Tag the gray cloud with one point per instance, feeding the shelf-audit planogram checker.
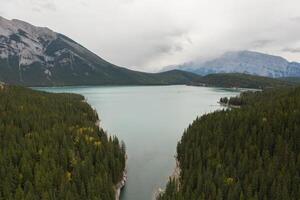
(172, 48)
(296, 19)
(49, 6)
(149, 34)
(291, 50)
(261, 43)
(41, 6)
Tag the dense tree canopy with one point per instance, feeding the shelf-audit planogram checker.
(244, 98)
(248, 153)
(51, 148)
(239, 80)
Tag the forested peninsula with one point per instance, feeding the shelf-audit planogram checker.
(251, 152)
(52, 148)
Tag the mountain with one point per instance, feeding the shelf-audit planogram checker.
(247, 62)
(38, 56)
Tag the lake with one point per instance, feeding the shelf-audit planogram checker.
(150, 120)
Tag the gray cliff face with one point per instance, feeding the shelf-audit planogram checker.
(30, 54)
(248, 62)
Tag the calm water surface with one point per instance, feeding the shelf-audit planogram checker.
(151, 120)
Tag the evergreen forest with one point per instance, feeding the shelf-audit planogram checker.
(51, 147)
(246, 153)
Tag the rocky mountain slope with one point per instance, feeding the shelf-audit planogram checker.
(37, 56)
(247, 62)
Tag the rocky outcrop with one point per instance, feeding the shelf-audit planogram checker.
(121, 185)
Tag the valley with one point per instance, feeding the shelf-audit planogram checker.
(150, 120)
(75, 126)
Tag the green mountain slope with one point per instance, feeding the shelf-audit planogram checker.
(242, 81)
(51, 148)
(291, 79)
(248, 153)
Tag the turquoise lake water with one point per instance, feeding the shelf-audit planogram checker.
(150, 120)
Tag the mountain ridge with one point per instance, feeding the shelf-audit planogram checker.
(38, 56)
(238, 80)
(248, 62)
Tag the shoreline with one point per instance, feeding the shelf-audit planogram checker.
(228, 105)
(175, 175)
(121, 184)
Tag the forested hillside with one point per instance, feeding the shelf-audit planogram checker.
(248, 153)
(51, 148)
(243, 81)
(291, 79)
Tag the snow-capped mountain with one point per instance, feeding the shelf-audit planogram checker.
(31, 55)
(248, 62)
(22, 39)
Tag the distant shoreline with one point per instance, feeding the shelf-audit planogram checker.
(228, 105)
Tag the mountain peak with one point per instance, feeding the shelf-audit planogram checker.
(255, 54)
(32, 55)
(249, 62)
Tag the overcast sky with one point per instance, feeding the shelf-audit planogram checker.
(149, 34)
